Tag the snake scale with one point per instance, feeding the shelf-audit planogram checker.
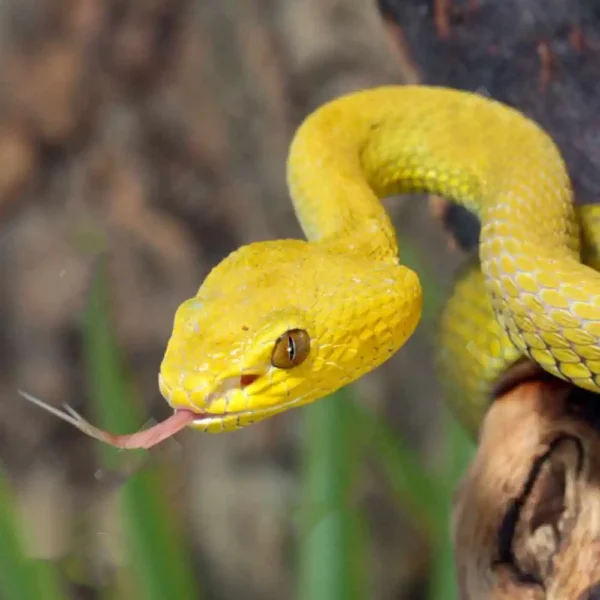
(279, 324)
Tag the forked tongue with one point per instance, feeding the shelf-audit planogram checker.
(144, 439)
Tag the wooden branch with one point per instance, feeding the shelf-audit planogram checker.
(526, 522)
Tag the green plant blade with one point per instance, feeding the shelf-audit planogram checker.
(156, 551)
(417, 491)
(331, 550)
(457, 452)
(21, 578)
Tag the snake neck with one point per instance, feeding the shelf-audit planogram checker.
(373, 144)
(336, 200)
(376, 143)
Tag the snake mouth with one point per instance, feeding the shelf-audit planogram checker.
(206, 419)
(242, 382)
(225, 387)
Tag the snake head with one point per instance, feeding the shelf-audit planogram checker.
(279, 324)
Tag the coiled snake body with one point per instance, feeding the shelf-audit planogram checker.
(281, 323)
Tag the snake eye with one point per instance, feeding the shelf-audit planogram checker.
(291, 349)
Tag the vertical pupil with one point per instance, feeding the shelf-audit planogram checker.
(291, 348)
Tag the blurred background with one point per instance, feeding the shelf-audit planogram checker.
(140, 143)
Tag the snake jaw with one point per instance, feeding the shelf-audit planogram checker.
(201, 403)
(228, 407)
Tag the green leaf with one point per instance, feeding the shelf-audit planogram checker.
(456, 452)
(332, 544)
(155, 548)
(21, 578)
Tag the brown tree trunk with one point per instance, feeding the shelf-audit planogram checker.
(527, 514)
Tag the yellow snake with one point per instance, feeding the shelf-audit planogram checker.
(279, 324)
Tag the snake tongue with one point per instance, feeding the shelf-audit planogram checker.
(147, 438)
(156, 434)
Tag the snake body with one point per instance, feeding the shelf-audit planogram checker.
(345, 288)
